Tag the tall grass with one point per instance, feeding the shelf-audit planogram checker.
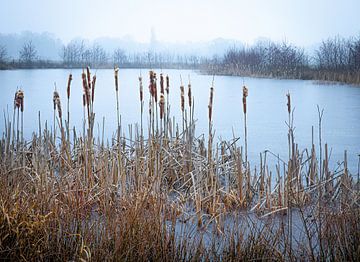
(166, 196)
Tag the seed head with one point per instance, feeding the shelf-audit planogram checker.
(167, 84)
(19, 100)
(68, 86)
(85, 88)
(288, 103)
(141, 89)
(161, 84)
(116, 73)
(189, 94)
(211, 103)
(93, 88)
(245, 94)
(57, 103)
(182, 98)
(162, 105)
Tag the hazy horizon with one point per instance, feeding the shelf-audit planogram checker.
(302, 23)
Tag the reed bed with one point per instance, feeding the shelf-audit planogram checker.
(161, 194)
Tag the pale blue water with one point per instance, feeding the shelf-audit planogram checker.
(267, 110)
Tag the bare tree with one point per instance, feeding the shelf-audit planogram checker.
(98, 55)
(3, 54)
(28, 53)
(119, 57)
(73, 53)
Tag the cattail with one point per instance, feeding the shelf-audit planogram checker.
(161, 83)
(245, 94)
(167, 84)
(211, 103)
(85, 88)
(162, 104)
(19, 100)
(182, 98)
(155, 88)
(57, 103)
(88, 77)
(189, 94)
(59, 107)
(141, 89)
(16, 104)
(150, 105)
(84, 100)
(55, 98)
(93, 88)
(116, 71)
(288, 102)
(68, 86)
(151, 86)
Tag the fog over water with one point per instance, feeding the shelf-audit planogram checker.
(302, 22)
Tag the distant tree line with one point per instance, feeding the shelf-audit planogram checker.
(336, 59)
(76, 54)
(264, 58)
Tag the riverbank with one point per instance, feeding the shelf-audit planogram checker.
(323, 77)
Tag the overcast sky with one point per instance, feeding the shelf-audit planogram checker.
(303, 22)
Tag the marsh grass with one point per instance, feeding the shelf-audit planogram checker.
(167, 196)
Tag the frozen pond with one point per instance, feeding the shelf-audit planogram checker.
(266, 102)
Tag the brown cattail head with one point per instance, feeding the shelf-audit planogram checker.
(211, 103)
(59, 107)
(93, 88)
(88, 77)
(116, 72)
(21, 97)
(155, 88)
(85, 88)
(161, 84)
(57, 103)
(19, 100)
(245, 94)
(55, 98)
(15, 101)
(167, 84)
(151, 86)
(68, 86)
(84, 100)
(162, 105)
(182, 98)
(288, 103)
(141, 89)
(189, 94)
(150, 105)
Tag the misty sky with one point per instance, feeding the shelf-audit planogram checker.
(302, 22)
